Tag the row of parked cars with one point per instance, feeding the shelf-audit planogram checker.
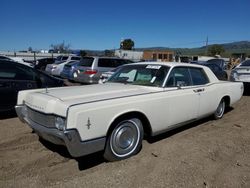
(16, 75)
(87, 70)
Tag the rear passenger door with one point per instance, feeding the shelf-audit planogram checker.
(206, 91)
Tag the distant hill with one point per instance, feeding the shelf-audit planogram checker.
(233, 47)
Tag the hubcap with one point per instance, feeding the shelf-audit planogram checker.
(220, 109)
(125, 138)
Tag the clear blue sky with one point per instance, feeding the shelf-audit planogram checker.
(99, 25)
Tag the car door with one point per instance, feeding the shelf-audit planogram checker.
(205, 91)
(181, 99)
(13, 78)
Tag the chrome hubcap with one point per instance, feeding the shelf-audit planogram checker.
(220, 109)
(125, 138)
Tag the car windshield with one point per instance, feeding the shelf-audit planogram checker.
(245, 63)
(146, 75)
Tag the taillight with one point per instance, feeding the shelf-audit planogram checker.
(90, 72)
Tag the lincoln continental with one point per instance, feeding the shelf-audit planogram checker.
(138, 100)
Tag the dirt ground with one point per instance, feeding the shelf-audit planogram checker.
(207, 153)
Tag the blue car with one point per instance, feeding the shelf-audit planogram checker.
(69, 70)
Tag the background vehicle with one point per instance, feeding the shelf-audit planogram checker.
(69, 70)
(57, 67)
(15, 77)
(242, 73)
(220, 62)
(42, 63)
(220, 73)
(90, 69)
(16, 59)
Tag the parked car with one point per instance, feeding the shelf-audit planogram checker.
(242, 73)
(69, 70)
(57, 67)
(139, 99)
(15, 77)
(220, 73)
(220, 62)
(16, 59)
(43, 62)
(90, 69)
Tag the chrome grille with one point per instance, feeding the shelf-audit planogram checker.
(41, 118)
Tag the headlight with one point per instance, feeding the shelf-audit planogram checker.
(60, 123)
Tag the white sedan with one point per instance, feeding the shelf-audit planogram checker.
(139, 99)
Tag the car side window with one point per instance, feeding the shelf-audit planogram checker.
(16, 72)
(199, 77)
(179, 77)
(7, 71)
(106, 62)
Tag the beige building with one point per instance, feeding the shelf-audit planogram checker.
(158, 55)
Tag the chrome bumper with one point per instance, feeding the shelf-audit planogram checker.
(70, 138)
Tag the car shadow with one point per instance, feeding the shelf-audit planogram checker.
(8, 115)
(84, 163)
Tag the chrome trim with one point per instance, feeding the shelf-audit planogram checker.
(70, 138)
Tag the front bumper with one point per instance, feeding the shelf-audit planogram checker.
(70, 138)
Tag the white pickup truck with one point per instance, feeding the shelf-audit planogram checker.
(139, 99)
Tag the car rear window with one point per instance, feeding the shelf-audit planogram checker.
(199, 77)
(75, 58)
(86, 62)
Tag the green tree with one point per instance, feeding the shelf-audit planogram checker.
(30, 49)
(83, 53)
(215, 49)
(60, 48)
(109, 53)
(127, 44)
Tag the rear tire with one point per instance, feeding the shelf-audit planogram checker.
(124, 140)
(220, 110)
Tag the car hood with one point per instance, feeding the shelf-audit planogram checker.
(57, 100)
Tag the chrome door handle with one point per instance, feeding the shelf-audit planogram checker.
(198, 90)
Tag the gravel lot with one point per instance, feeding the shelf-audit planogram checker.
(207, 153)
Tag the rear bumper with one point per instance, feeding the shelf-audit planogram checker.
(70, 138)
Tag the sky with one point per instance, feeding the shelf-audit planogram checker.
(100, 25)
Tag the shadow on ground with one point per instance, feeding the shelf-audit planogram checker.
(8, 115)
(84, 163)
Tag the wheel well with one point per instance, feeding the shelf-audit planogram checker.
(145, 122)
(227, 100)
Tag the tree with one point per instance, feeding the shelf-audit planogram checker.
(30, 49)
(215, 49)
(83, 53)
(109, 53)
(60, 48)
(127, 44)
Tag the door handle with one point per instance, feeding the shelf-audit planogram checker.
(198, 90)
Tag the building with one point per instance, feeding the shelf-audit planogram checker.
(158, 55)
(129, 54)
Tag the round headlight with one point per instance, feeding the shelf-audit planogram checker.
(60, 123)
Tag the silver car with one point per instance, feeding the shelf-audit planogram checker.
(242, 73)
(90, 69)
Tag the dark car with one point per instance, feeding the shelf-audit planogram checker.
(220, 62)
(15, 77)
(42, 63)
(217, 68)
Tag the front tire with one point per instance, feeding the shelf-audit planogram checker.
(125, 140)
(220, 110)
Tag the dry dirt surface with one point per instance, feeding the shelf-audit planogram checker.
(207, 153)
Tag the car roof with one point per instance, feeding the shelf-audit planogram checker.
(169, 64)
